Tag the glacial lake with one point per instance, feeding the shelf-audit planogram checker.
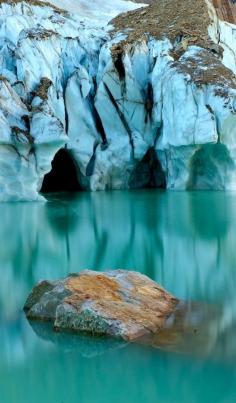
(184, 241)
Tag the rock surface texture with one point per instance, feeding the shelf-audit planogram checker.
(118, 303)
(147, 100)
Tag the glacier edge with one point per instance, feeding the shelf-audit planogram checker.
(137, 118)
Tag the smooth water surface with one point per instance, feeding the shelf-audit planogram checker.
(185, 241)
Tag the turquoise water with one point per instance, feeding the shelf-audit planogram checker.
(185, 241)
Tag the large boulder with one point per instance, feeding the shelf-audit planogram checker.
(119, 303)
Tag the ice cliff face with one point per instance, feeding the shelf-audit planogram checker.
(158, 112)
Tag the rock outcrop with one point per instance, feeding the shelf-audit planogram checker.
(124, 305)
(146, 101)
(117, 303)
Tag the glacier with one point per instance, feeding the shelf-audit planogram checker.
(129, 116)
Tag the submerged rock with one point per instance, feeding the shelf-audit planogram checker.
(118, 303)
(193, 328)
(147, 100)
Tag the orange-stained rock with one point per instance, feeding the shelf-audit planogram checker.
(119, 303)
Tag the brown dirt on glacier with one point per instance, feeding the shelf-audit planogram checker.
(35, 3)
(185, 23)
(167, 18)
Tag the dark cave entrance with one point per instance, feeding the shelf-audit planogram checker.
(148, 173)
(63, 175)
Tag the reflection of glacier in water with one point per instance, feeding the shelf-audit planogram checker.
(185, 241)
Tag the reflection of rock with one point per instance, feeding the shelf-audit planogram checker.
(118, 303)
(87, 346)
(190, 329)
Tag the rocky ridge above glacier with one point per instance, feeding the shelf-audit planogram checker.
(135, 103)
